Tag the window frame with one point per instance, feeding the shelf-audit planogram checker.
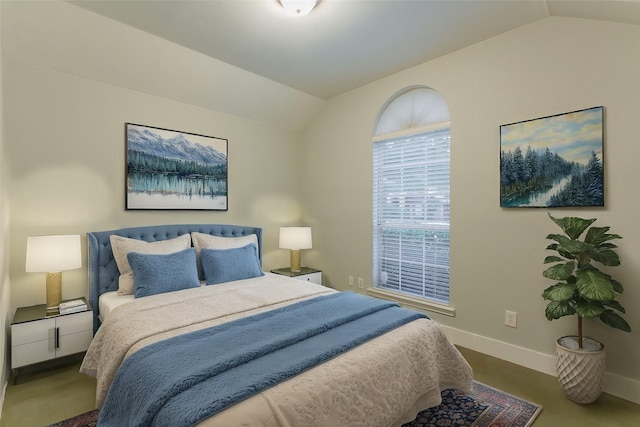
(406, 298)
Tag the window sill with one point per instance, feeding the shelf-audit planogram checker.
(412, 301)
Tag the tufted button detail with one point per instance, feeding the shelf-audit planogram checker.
(103, 271)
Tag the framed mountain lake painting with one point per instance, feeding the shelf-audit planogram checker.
(554, 161)
(168, 169)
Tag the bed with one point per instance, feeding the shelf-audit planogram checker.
(382, 365)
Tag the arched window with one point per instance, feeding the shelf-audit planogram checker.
(411, 196)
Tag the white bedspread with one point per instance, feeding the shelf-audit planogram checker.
(110, 300)
(383, 382)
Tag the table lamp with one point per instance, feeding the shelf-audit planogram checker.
(294, 239)
(53, 255)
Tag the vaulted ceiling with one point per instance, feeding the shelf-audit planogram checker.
(341, 44)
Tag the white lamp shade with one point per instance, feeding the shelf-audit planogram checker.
(295, 238)
(47, 254)
(298, 7)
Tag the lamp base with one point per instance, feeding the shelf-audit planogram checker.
(54, 290)
(295, 260)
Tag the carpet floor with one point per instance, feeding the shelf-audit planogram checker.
(483, 407)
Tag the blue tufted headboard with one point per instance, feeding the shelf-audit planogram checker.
(103, 271)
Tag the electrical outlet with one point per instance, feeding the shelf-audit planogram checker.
(350, 280)
(511, 319)
(360, 282)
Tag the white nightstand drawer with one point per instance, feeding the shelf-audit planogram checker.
(74, 343)
(76, 322)
(34, 352)
(306, 274)
(29, 332)
(311, 277)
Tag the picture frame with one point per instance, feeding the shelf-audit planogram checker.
(553, 161)
(174, 170)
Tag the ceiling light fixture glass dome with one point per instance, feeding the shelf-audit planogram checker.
(298, 7)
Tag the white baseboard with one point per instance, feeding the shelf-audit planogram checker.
(616, 385)
(4, 390)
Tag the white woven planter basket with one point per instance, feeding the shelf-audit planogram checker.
(580, 371)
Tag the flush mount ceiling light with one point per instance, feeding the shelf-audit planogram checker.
(298, 7)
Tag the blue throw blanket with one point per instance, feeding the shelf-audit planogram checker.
(186, 379)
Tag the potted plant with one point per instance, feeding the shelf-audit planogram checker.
(583, 290)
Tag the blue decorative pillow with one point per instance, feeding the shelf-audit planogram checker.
(156, 274)
(226, 265)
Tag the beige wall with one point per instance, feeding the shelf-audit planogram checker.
(549, 67)
(4, 235)
(65, 146)
(59, 36)
(74, 78)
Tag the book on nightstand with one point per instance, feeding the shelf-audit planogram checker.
(73, 306)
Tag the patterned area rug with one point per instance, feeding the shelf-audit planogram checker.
(88, 419)
(484, 407)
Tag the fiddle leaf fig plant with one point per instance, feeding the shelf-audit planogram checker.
(581, 288)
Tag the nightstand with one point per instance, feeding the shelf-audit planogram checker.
(309, 274)
(38, 335)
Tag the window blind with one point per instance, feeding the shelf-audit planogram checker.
(411, 193)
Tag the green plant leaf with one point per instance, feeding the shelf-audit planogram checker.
(617, 286)
(594, 285)
(560, 271)
(594, 234)
(615, 305)
(544, 293)
(605, 257)
(559, 292)
(599, 235)
(552, 258)
(574, 247)
(566, 247)
(607, 245)
(558, 309)
(573, 226)
(557, 237)
(589, 309)
(615, 321)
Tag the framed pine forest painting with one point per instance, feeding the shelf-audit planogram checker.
(554, 161)
(168, 169)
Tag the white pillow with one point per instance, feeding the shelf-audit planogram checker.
(207, 241)
(121, 246)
